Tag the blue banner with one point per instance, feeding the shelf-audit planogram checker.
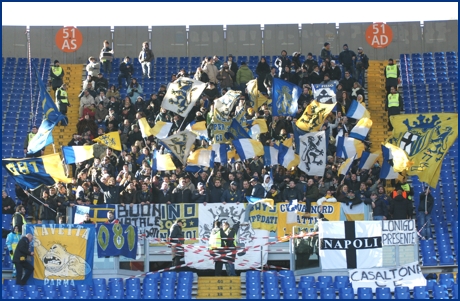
(116, 240)
(63, 254)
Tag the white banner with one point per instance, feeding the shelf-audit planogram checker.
(399, 232)
(146, 218)
(312, 153)
(350, 244)
(182, 95)
(247, 237)
(80, 214)
(325, 93)
(409, 275)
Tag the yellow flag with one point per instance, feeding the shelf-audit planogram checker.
(426, 138)
(314, 115)
(256, 98)
(111, 140)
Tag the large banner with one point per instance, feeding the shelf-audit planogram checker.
(250, 244)
(409, 275)
(116, 239)
(350, 245)
(325, 93)
(285, 222)
(63, 254)
(155, 220)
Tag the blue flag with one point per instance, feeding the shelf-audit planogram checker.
(52, 117)
(236, 131)
(116, 240)
(285, 96)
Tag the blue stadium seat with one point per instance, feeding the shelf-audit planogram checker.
(100, 294)
(253, 292)
(133, 284)
(383, 293)
(455, 291)
(447, 279)
(309, 293)
(420, 292)
(16, 294)
(440, 292)
(133, 294)
(66, 292)
(271, 292)
(166, 293)
(341, 281)
(346, 293)
(327, 293)
(365, 293)
(402, 292)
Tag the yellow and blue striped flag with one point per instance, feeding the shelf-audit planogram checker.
(248, 148)
(76, 154)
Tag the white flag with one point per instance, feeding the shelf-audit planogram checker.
(350, 244)
(312, 153)
(182, 95)
(225, 104)
(180, 144)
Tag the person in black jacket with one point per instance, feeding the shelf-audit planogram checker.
(111, 192)
(48, 210)
(176, 238)
(262, 70)
(315, 76)
(424, 214)
(400, 208)
(24, 269)
(126, 70)
(335, 72)
(379, 208)
(292, 193)
(347, 82)
(216, 192)
(347, 58)
(164, 195)
(7, 204)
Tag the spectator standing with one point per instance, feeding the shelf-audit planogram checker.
(106, 57)
(225, 77)
(424, 213)
(362, 63)
(262, 70)
(347, 58)
(400, 208)
(243, 76)
(126, 69)
(335, 72)
(57, 75)
(12, 240)
(7, 204)
(210, 69)
(379, 208)
(62, 101)
(176, 238)
(326, 52)
(232, 66)
(93, 68)
(394, 105)
(146, 57)
(19, 218)
(24, 268)
(392, 75)
(48, 209)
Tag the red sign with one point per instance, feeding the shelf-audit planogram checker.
(69, 39)
(379, 35)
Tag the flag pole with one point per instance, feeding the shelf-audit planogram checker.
(30, 194)
(54, 149)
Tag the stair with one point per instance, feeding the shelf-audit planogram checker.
(63, 134)
(219, 288)
(376, 105)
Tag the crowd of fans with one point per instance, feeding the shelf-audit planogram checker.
(127, 177)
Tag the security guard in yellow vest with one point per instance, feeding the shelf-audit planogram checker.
(394, 105)
(391, 74)
(219, 239)
(18, 218)
(27, 141)
(62, 101)
(57, 75)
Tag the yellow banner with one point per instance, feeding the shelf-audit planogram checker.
(263, 217)
(287, 220)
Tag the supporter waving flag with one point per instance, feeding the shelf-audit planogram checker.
(182, 95)
(285, 97)
(52, 117)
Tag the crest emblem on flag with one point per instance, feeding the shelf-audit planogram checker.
(325, 93)
(407, 140)
(183, 94)
(312, 154)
